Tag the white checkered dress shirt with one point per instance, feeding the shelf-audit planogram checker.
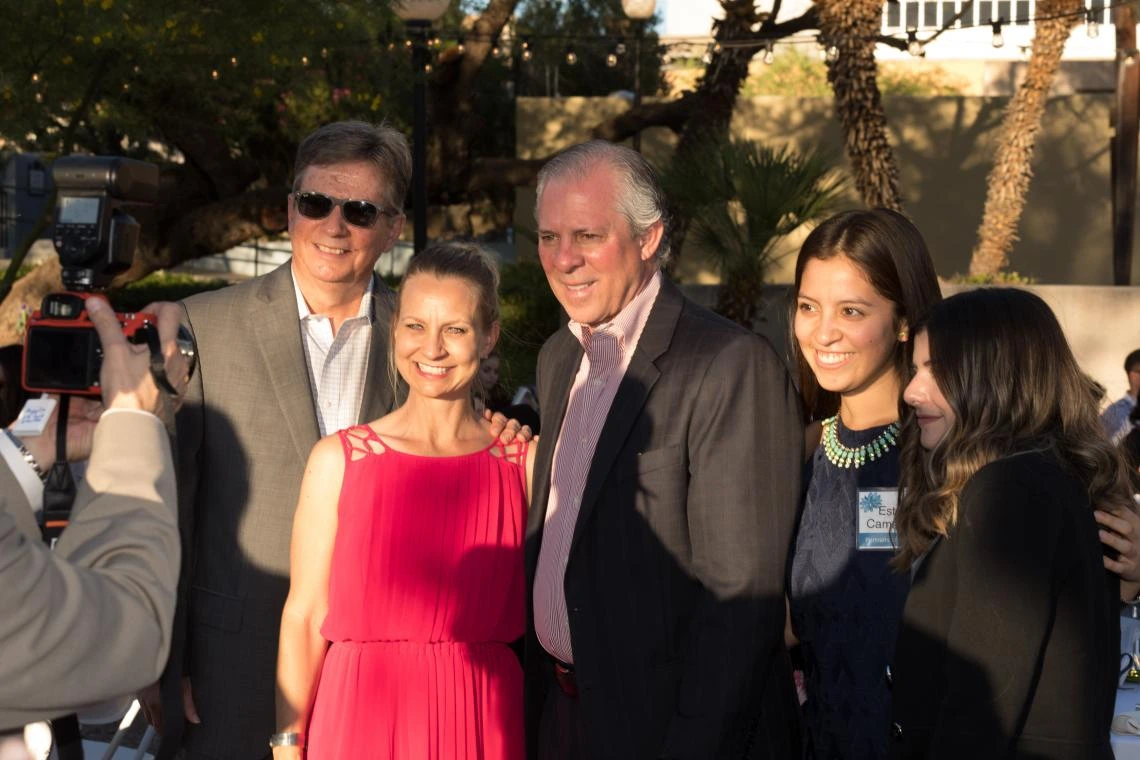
(337, 364)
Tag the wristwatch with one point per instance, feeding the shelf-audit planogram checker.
(286, 739)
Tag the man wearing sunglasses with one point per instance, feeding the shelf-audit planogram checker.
(283, 360)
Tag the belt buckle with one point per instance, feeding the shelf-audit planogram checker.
(564, 675)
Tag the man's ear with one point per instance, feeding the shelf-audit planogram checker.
(651, 239)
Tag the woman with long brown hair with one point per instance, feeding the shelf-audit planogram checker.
(1009, 636)
(862, 279)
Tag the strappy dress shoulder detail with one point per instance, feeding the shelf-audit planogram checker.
(513, 452)
(360, 441)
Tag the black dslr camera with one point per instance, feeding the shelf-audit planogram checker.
(95, 236)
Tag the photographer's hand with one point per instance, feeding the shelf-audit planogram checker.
(81, 419)
(125, 376)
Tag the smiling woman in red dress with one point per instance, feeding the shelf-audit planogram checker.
(407, 570)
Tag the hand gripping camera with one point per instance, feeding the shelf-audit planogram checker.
(95, 235)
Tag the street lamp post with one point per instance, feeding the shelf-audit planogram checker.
(419, 15)
(639, 11)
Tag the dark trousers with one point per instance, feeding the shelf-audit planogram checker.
(561, 734)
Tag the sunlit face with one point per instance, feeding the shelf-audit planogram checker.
(931, 410)
(593, 262)
(847, 332)
(331, 251)
(489, 372)
(436, 341)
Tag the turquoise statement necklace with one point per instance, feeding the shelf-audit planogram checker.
(845, 456)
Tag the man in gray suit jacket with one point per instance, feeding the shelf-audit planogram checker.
(91, 620)
(665, 490)
(283, 360)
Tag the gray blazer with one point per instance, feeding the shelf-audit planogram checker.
(675, 579)
(244, 435)
(91, 620)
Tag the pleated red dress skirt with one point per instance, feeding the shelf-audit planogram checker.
(425, 593)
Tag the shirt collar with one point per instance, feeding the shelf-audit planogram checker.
(628, 322)
(365, 309)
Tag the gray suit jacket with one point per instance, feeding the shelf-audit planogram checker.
(91, 620)
(675, 578)
(244, 435)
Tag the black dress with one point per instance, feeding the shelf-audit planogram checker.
(845, 606)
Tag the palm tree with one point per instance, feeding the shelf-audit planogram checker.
(1008, 181)
(852, 27)
(741, 197)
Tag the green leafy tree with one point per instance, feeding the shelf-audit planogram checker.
(741, 197)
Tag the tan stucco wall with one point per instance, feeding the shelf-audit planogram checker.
(944, 147)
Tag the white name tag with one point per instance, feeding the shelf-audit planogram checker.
(33, 417)
(875, 519)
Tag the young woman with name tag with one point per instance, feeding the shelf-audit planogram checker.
(1007, 646)
(862, 278)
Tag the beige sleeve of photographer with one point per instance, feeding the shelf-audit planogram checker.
(91, 620)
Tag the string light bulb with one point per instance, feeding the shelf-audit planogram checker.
(913, 45)
(233, 61)
(35, 77)
(461, 45)
(571, 56)
(620, 48)
(126, 86)
(527, 53)
(831, 55)
(769, 52)
(1092, 28)
(215, 74)
(611, 60)
(496, 51)
(997, 40)
(304, 60)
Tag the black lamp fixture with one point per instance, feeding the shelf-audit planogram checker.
(419, 15)
(639, 11)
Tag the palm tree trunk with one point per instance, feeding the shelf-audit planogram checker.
(1008, 181)
(853, 27)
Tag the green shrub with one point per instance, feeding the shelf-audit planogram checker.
(160, 286)
(529, 315)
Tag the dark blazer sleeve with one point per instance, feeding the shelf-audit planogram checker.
(745, 442)
(1005, 550)
(189, 426)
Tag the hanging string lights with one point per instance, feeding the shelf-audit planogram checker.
(525, 48)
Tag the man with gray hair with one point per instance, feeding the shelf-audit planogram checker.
(283, 359)
(664, 495)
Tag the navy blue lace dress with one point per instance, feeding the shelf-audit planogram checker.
(845, 606)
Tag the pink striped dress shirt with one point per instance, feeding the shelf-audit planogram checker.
(608, 350)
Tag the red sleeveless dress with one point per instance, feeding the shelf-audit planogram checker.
(425, 592)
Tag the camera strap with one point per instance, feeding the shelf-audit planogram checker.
(157, 362)
(59, 495)
(59, 485)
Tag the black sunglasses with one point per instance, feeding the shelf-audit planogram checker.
(358, 213)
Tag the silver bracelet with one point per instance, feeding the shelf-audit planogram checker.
(27, 455)
(286, 739)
